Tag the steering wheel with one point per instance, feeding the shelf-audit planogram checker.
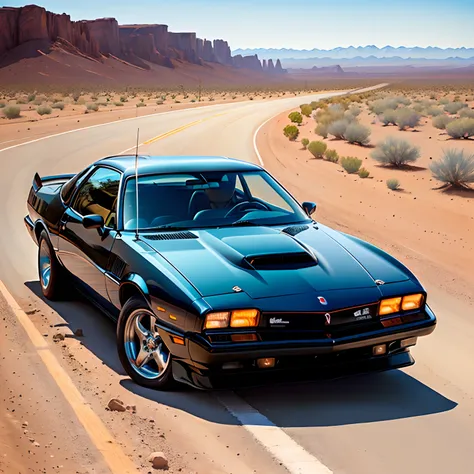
(247, 205)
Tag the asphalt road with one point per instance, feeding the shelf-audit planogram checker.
(411, 421)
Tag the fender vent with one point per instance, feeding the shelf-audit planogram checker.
(281, 261)
(172, 236)
(296, 229)
(118, 267)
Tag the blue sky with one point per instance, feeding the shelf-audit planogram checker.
(299, 24)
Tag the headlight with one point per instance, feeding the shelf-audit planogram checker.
(217, 320)
(239, 318)
(389, 306)
(411, 302)
(244, 318)
(405, 303)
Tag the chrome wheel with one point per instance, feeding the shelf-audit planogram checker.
(144, 347)
(44, 264)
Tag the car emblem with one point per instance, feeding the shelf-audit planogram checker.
(322, 300)
(328, 318)
(237, 289)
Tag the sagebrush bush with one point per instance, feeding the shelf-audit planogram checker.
(305, 143)
(321, 130)
(12, 111)
(443, 101)
(357, 133)
(2, 104)
(389, 117)
(317, 149)
(363, 173)
(338, 128)
(58, 105)
(119, 104)
(291, 132)
(466, 113)
(393, 184)
(123, 98)
(379, 106)
(455, 168)
(407, 118)
(351, 164)
(395, 152)
(433, 111)
(92, 107)
(306, 110)
(331, 155)
(141, 104)
(44, 110)
(354, 110)
(441, 121)
(31, 97)
(454, 107)
(296, 117)
(461, 128)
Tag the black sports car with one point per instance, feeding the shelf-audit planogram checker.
(218, 277)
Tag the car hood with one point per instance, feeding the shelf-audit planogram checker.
(267, 262)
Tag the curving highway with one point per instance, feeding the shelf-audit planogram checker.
(407, 421)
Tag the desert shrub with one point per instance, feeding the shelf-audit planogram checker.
(379, 106)
(296, 117)
(454, 107)
(407, 118)
(433, 111)
(31, 97)
(321, 130)
(466, 113)
(123, 98)
(393, 184)
(92, 107)
(443, 101)
(141, 104)
(305, 143)
(291, 131)
(318, 105)
(160, 102)
(22, 101)
(454, 168)
(94, 98)
(11, 111)
(338, 128)
(118, 104)
(363, 173)
(317, 148)
(357, 133)
(306, 110)
(102, 103)
(461, 128)
(389, 117)
(395, 152)
(354, 110)
(336, 109)
(58, 105)
(2, 104)
(331, 155)
(441, 121)
(351, 164)
(44, 110)
(37, 101)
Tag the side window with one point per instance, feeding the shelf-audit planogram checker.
(98, 195)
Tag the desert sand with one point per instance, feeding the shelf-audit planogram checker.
(427, 228)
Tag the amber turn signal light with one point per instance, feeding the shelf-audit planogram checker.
(389, 306)
(411, 302)
(244, 318)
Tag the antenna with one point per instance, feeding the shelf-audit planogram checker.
(136, 182)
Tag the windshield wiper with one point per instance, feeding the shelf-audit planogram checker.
(167, 227)
(243, 223)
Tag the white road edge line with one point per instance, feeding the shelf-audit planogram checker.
(281, 446)
(109, 123)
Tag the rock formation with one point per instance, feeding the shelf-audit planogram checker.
(138, 44)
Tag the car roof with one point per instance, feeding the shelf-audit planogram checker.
(175, 164)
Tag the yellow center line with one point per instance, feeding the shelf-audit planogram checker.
(180, 129)
(112, 453)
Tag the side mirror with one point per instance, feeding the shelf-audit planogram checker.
(309, 207)
(93, 221)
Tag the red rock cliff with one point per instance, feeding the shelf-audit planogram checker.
(105, 31)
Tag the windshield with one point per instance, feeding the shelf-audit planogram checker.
(211, 199)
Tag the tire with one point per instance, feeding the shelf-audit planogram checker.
(139, 340)
(51, 274)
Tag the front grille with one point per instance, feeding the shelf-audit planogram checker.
(183, 235)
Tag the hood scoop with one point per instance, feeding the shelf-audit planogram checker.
(172, 236)
(281, 261)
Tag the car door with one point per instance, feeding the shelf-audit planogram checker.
(86, 252)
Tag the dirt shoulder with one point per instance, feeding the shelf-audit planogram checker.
(427, 229)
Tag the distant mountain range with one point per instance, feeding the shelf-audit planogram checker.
(351, 52)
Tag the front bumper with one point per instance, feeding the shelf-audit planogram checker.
(297, 359)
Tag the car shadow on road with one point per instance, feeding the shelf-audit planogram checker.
(351, 400)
